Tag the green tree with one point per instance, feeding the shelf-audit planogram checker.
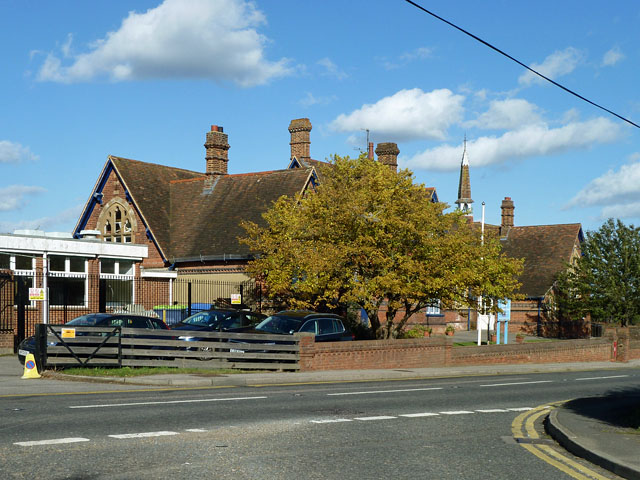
(605, 280)
(372, 237)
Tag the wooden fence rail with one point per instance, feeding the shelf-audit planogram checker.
(59, 346)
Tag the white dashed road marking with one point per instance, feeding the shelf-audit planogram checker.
(418, 415)
(381, 417)
(516, 383)
(143, 435)
(371, 392)
(55, 441)
(105, 405)
(58, 441)
(600, 378)
(335, 420)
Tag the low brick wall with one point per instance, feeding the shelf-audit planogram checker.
(593, 350)
(6, 343)
(439, 352)
(370, 354)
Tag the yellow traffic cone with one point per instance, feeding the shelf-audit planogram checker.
(30, 367)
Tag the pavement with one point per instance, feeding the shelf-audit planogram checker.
(589, 427)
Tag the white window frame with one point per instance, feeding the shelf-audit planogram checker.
(433, 309)
(121, 276)
(23, 273)
(69, 274)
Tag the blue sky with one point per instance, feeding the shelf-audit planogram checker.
(146, 80)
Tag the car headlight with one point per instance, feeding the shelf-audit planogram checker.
(188, 339)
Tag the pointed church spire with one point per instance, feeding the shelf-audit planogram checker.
(464, 200)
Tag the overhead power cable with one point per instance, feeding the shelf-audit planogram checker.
(475, 37)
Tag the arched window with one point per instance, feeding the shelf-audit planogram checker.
(117, 222)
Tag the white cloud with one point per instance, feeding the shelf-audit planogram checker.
(627, 210)
(419, 53)
(11, 152)
(63, 221)
(556, 65)
(331, 69)
(15, 197)
(507, 114)
(211, 39)
(528, 141)
(612, 57)
(406, 115)
(310, 100)
(615, 190)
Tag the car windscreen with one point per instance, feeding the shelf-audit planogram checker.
(279, 324)
(207, 319)
(86, 320)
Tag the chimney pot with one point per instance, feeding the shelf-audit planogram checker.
(507, 208)
(217, 151)
(388, 155)
(300, 130)
(370, 154)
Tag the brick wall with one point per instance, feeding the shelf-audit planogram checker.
(438, 352)
(594, 350)
(6, 343)
(408, 353)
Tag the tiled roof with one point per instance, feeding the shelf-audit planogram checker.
(545, 250)
(192, 215)
(148, 185)
(206, 213)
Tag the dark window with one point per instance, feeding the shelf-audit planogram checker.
(24, 263)
(251, 319)
(233, 321)
(77, 264)
(5, 260)
(309, 326)
(119, 292)
(66, 291)
(107, 265)
(325, 326)
(56, 263)
(137, 322)
(117, 322)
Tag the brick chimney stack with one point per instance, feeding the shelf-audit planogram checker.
(388, 155)
(370, 152)
(217, 151)
(507, 208)
(300, 130)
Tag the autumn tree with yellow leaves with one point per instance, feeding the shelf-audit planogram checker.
(370, 236)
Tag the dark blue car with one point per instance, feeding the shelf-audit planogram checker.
(327, 327)
(28, 345)
(216, 320)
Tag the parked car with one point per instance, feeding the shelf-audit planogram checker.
(220, 320)
(216, 320)
(28, 345)
(327, 327)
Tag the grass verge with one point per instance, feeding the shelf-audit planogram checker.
(140, 371)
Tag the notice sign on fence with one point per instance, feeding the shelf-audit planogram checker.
(236, 299)
(68, 333)
(36, 294)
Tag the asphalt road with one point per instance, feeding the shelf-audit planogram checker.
(437, 428)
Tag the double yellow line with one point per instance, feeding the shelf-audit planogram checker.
(523, 427)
